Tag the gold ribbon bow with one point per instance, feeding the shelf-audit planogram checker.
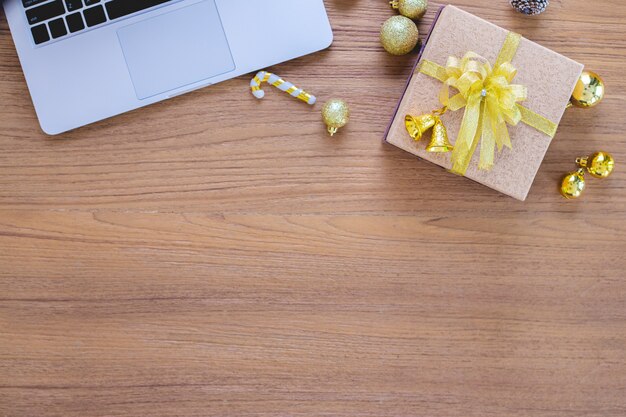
(491, 102)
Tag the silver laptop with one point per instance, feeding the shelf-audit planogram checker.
(86, 60)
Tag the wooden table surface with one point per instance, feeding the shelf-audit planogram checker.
(218, 256)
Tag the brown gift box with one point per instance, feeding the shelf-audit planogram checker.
(549, 77)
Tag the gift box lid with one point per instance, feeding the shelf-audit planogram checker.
(549, 77)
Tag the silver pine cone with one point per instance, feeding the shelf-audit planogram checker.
(530, 7)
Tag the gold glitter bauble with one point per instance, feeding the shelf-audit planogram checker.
(589, 90)
(399, 35)
(599, 165)
(573, 184)
(413, 9)
(336, 115)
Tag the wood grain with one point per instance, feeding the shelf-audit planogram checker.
(218, 256)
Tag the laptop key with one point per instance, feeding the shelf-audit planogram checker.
(40, 34)
(45, 12)
(75, 22)
(57, 28)
(94, 16)
(30, 3)
(73, 5)
(91, 2)
(120, 8)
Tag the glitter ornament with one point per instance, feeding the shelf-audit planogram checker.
(399, 35)
(335, 114)
(530, 7)
(413, 9)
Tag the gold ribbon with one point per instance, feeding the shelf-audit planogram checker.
(491, 102)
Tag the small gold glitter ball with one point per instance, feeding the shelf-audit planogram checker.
(413, 9)
(589, 90)
(399, 35)
(573, 184)
(335, 114)
(599, 165)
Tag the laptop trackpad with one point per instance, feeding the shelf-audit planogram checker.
(176, 49)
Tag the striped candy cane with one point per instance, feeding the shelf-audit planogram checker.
(276, 81)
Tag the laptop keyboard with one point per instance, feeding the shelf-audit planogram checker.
(53, 19)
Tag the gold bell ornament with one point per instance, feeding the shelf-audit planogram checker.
(599, 165)
(589, 91)
(418, 126)
(439, 142)
(413, 9)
